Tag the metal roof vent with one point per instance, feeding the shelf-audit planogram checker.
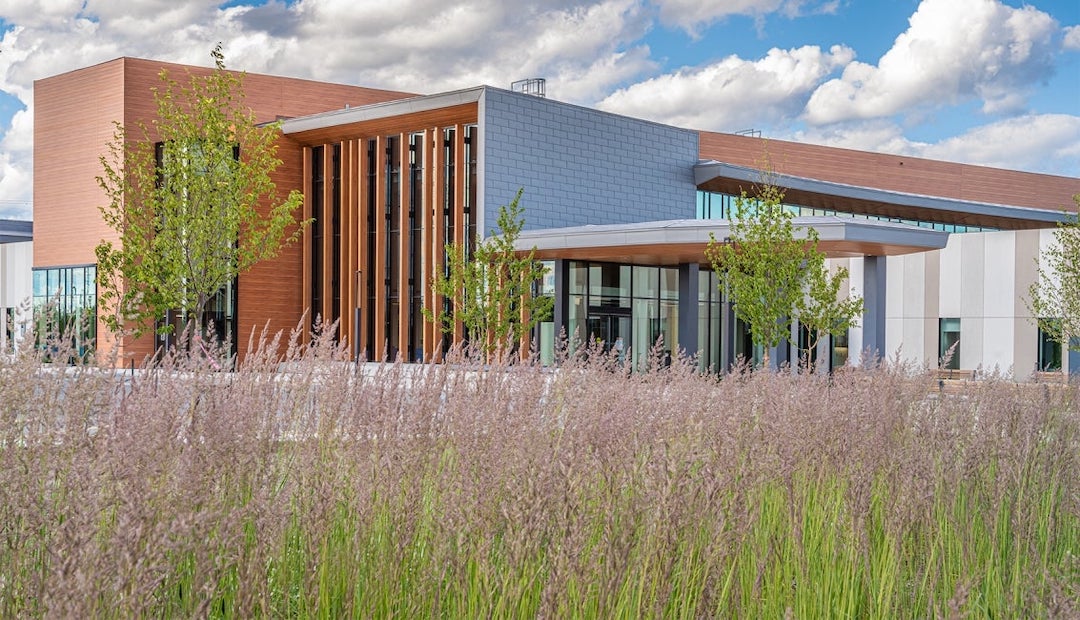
(536, 87)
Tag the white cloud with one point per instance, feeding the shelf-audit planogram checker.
(16, 166)
(954, 50)
(447, 45)
(1072, 38)
(590, 50)
(733, 93)
(584, 48)
(691, 15)
(1046, 143)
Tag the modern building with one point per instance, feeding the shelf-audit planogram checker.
(16, 258)
(620, 207)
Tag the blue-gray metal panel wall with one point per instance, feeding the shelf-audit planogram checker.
(581, 166)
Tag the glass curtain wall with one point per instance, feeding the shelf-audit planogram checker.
(625, 309)
(449, 223)
(373, 348)
(716, 205)
(335, 231)
(710, 311)
(316, 228)
(392, 214)
(545, 330)
(414, 350)
(65, 305)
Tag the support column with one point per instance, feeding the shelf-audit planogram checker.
(1073, 361)
(727, 335)
(873, 321)
(688, 308)
(824, 355)
(561, 309)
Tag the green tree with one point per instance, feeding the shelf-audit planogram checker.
(772, 277)
(192, 200)
(491, 291)
(1054, 297)
(823, 310)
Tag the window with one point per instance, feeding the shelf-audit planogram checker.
(392, 216)
(316, 235)
(716, 205)
(65, 304)
(1049, 347)
(414, 349)
(472, 148)
(709, 317)
(839, 354)
(949, 343)
(372, 349)
(335, 232)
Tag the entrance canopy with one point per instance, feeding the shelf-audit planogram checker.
(675, 242)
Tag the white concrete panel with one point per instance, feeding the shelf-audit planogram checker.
(16, 262)
(894, 284)
(929, 327)
(855, 343)
(1025, 265)
(950, 269)
(999, 290)
(914, 290)
(972, 275)
(971, 341)
(997, 345)
(894, 337)
(912, 345)
(1046, 240)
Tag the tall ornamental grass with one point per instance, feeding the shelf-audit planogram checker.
(305, 486)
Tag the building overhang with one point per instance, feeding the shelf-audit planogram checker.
(732, 179)
(16, 231)
(377, 117)
(674, 242)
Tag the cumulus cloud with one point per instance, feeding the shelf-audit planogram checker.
(590, 50)
(447, 45)
(733, 93)
(1044, 142)
(953, 50)
(1048, 143)
(1072, 38)
(16, 180)
(691, 15)
(584, 48)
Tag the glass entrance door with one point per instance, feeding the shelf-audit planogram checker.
(611, 330)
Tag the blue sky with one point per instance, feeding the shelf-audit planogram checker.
(992, 82)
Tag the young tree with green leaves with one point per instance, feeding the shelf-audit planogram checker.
(1054, 297)
(191, 198)
(491, 291)
(823, 309)
(774, 278)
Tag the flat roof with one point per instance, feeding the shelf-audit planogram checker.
(16, 231)
(717, 176)
(672, 242)
(385, 109)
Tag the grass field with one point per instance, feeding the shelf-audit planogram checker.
(455, 491)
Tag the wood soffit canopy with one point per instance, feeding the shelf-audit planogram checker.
(684, 241)
(731, 179)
